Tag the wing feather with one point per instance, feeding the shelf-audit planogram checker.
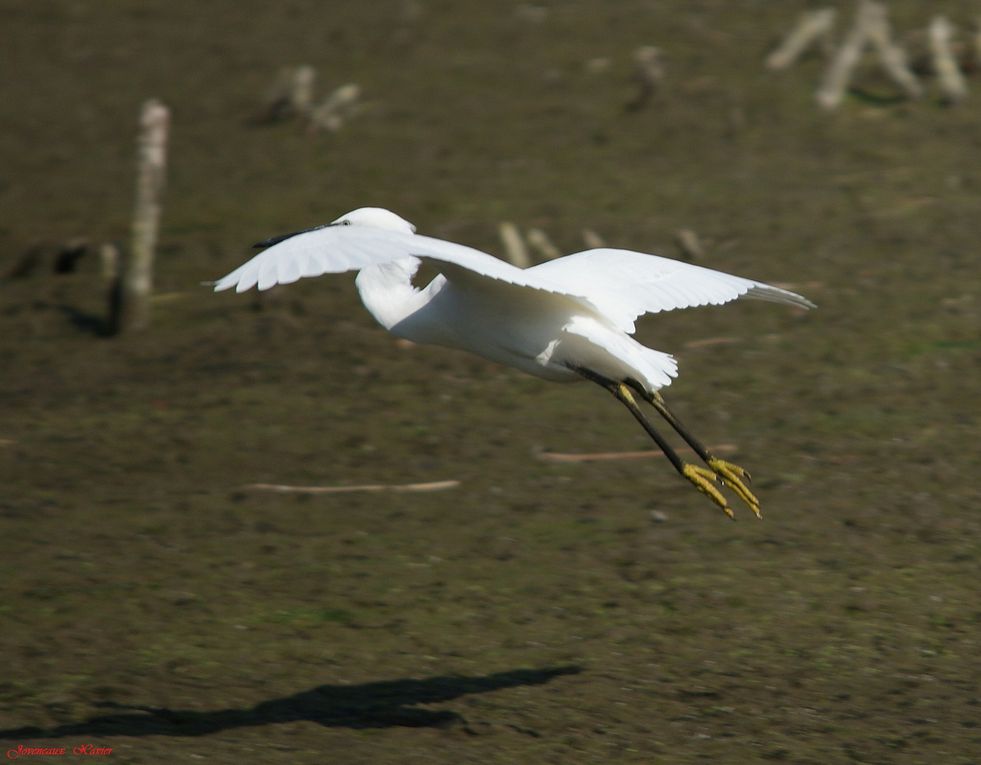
(616, 285)
(334, 249)
(268, 274)
(624, 285)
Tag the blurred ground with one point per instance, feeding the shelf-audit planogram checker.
(537, 613)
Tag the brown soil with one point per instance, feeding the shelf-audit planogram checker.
(540, 611)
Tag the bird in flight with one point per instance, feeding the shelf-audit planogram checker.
(565, 320)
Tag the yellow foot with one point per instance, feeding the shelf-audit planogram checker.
(732, 476)
(704, 482)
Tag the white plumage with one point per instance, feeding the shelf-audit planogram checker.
(549, 320)
(568, 319)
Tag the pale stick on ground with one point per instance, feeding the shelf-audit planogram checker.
(814, 26)
(952, 82)
(290, 95)
(539, 240)
(871, 27)
(977, 43)
(649, 72)
(515, 251)
(891, 55)
(612, 456)
(109, 262)
(331, 113)
(689, 244)
(286, 489)
(839, 71)
(592, 240)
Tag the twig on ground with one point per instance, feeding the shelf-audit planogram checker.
(285, 489)
(710, 341)
(611, 456)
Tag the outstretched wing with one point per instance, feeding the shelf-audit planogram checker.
(333, 249)
(624, 285)
(620, 285)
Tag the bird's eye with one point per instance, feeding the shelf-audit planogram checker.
(345, 223)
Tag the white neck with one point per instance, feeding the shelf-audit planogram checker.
(387, 292)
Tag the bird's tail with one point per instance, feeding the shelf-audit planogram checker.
(618, 356)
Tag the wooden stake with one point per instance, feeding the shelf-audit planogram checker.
(109, 262)
(649, 72)
(514, 246)
(592, 240)
(976, 63)
(839, 71)
(290, 95)
(871, 27)
(334, 109)
(816, 25)
(689, 244)
(891, 55)
(132, 309)
(952, 82)
(301, 89)
(540, 241)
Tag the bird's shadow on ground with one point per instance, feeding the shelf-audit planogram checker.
(383, 704)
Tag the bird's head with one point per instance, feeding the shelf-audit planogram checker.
(375, 217)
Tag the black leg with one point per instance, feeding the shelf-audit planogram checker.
(700, 477)
(732, 475)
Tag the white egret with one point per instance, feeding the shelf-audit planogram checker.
(565, 320)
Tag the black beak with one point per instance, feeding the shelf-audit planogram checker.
(283, 237)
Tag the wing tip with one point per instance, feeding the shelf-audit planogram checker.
(220, 285)
(779, 295)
